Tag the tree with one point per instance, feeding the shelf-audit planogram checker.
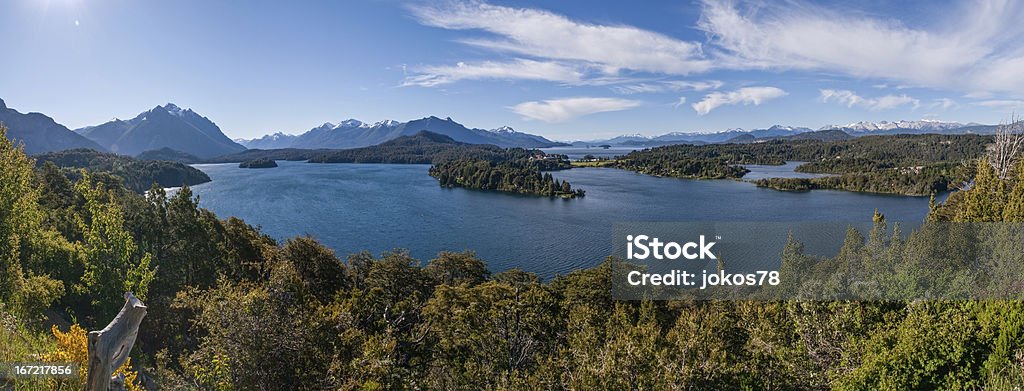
(317, 266)
(1013, 210)
(983, 202)
(451, 268)
(21, 233)
(112, 264)
(1006, 148)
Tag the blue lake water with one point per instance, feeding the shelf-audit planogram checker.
(379, 207)
(787, 170)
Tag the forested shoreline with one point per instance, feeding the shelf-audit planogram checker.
(892, 164)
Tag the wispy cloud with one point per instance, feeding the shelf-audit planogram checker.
(679, 103)
(851, 99)
(978, 50)
(1003, 104)
(745, 96)
(519, 69)
(667, 85)
(561, 110)
(543, 34)
(944, 103)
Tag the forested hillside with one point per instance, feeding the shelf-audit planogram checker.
(422, 148)
(137, 175)
(898, 164)
(231, 308)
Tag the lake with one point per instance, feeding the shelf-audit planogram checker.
(788, 170)
(576, 153)
(379, 207)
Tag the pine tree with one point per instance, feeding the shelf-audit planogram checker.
(1013, 210)
(984, 201)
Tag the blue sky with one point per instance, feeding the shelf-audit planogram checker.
(563, 69)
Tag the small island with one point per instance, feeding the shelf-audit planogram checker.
(258, 163)
(512, 176)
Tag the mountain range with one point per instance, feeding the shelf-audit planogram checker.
(167, 126)
(636, 140)
(182, 134)
(40, 134)
(354, 134)
(856, 129)
(912, 127)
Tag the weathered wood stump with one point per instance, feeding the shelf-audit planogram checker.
(109, 348)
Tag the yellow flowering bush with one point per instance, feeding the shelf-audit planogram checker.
(73, 347)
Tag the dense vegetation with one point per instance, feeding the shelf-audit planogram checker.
(920, 180)
(138, 175)
(899, 164)
(522, 176)
(230, 308)
(258, 163)
(170, 155)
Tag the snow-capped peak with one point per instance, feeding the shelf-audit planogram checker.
(174, 109)
(503, 130)
(388, 123)
(925, 124)
(350, 123)
(278, 136)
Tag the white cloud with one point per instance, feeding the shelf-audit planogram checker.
(977, 48)
(851, 99)
(746, 96)
(521, 69)
(561, 110)
(1003, 104)
(542, 34)
(667, 85)
(679, 103)
(944, 103)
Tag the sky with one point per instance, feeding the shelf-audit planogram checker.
(567, 70)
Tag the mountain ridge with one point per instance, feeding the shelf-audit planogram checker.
(162, 126)
(353, 133)
(40, 133)
(856, 129)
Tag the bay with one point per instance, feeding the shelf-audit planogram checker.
(381, 207)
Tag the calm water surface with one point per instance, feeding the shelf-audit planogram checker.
(787, 170)
(379, 207)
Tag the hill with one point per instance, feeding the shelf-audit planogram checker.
(166, 126)
(169, 155)
(40, 133)
(138, 175)
(820, 135)
(424, 147)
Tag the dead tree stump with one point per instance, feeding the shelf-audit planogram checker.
(109, 348)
